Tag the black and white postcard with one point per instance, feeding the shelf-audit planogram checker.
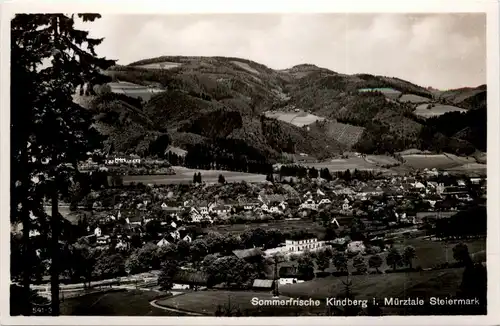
(213, 162)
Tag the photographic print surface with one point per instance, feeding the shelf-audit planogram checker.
(248, 164)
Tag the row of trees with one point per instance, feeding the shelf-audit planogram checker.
(304, 172)
(340, 260)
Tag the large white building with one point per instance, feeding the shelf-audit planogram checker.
(123, 160)
(297, 247)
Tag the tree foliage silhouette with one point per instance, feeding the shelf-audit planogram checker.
(50, 132)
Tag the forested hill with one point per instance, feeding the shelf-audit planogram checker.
(217, 103)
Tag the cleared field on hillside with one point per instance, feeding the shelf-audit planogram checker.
(412, 98)
(472, 168)
(245, 66)
(185, 175)
(437, 110)
(115, 303)
(429, 161)
(344, 133)
(461, 159)
(134, 90)
(345, 164)
(298, 119)
(381, 160)
(160, 65)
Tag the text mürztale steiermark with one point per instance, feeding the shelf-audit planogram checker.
(345, 302)
(433, 301)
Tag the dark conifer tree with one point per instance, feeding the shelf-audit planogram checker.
(51, 133)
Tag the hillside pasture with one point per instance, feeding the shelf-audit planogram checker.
(461, 159)
(134, 90)
(438, 109)
(412, 98)
(344, 133)
(350, 163)
(185, 176)
(381, 160)
(245, 66)
(429, 161)
(298, 119)
(476, 169)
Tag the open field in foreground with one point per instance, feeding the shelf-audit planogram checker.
(185, 175)
(429, 253)
(206, 302)
(396, 285)
(437, 110)
(114, 303)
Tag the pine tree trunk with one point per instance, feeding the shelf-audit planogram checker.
(54, 267)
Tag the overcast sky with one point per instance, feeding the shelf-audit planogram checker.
(441, 50)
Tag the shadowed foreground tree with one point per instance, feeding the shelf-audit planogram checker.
(375, 261)
(409, 254)
(394, 258)
(166, 277)
(50, 133)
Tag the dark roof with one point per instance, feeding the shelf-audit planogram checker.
(247, 253)
(189, 277)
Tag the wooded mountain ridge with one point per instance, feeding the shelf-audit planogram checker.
(211, 101)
